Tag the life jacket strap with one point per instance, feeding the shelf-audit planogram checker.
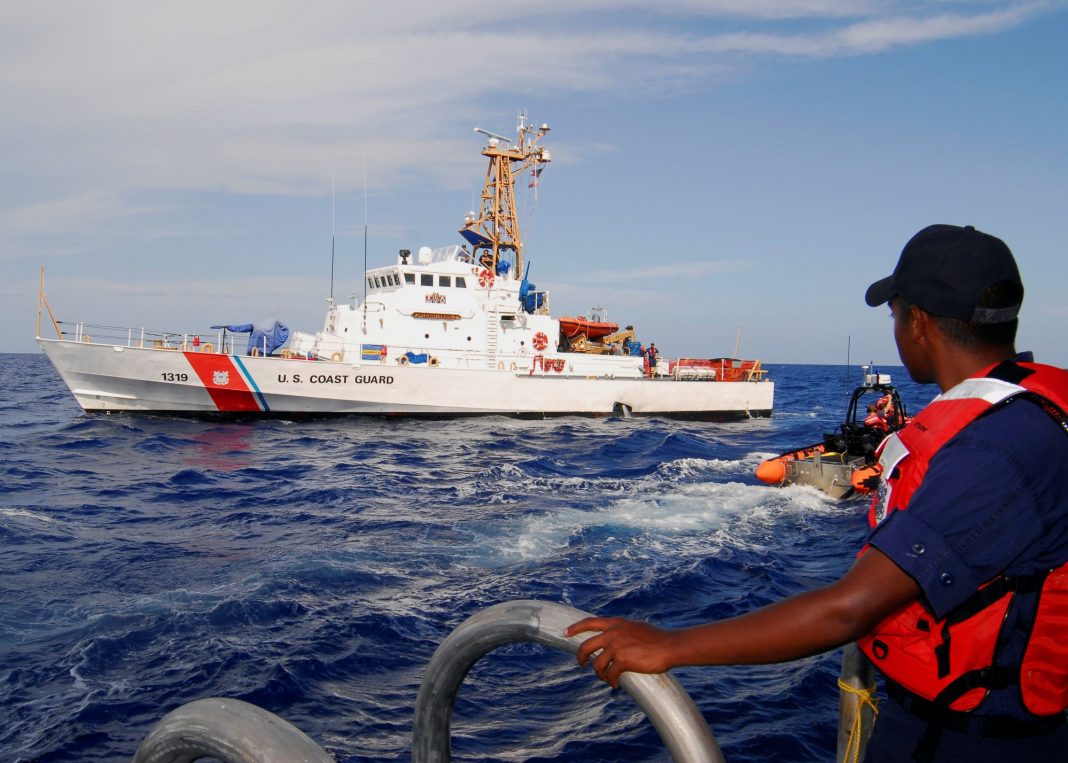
(991, 677)
(997, 588)
(979, 601)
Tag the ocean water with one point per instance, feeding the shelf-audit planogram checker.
(313, 568)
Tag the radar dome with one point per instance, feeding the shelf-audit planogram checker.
(425, 255)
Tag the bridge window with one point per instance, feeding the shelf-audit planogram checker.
(444, 280)
(461, 283)
(426, 279)
(409, 278)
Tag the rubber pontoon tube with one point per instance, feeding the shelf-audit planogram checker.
(229, 730)
(661, 697)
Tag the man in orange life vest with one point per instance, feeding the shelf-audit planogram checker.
(960, 597)
(885, 406)
(874, 419)
(651, 356)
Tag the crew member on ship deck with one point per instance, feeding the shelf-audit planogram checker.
(651, 355)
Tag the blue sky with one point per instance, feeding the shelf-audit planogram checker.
(721, 168)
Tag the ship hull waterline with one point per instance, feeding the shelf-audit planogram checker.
(114, 378)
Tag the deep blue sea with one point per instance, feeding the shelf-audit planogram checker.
(312, 568)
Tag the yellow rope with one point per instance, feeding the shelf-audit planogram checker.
(852, 752)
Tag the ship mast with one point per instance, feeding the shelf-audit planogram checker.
(495, 229)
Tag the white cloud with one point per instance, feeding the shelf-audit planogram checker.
(108, 100)
(107, 302)
(868, 36)
(686, 270)
(71, 214)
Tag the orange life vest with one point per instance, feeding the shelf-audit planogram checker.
(875, 421)
(952, 662)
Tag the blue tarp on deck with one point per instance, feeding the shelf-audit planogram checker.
(266, 336)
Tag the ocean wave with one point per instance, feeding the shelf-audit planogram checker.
(313, 568)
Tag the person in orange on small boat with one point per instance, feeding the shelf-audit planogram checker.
(886, 407)
(875, 418)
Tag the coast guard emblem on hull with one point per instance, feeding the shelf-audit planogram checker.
(220, 378)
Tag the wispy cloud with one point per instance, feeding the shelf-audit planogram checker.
(869, 36)
(71, 214)
(674, 270)
(111, 302)
(112, 99)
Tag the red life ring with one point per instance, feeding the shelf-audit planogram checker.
(541, 341)
(384, 352)
(485, 277)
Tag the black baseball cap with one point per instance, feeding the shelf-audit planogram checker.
(944, 269)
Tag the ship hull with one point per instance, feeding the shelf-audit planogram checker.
(113, 378)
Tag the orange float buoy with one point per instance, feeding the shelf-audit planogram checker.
(772, 471)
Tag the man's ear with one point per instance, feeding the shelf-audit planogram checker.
(918, 325)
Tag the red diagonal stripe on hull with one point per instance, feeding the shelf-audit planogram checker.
(234, 395)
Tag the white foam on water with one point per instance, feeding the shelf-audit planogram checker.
(689, 468)
(25, 513)
(705, 513)
(687, 508)
(759, 456)
(812, 498)
(656, 512)
(681, 470)
(817, 412)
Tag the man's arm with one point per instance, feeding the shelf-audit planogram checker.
(800, 626)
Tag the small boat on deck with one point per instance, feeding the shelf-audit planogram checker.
(593, 326)
(843, 463)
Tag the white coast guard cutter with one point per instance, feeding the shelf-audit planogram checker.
(444, 332)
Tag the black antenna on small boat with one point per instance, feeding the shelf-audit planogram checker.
(849, 342)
